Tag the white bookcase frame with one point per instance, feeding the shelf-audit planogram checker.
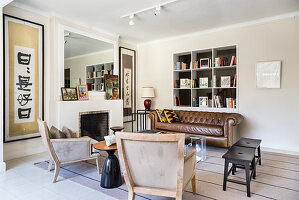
(212, 88)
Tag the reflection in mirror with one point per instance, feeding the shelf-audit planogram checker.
(86, 61)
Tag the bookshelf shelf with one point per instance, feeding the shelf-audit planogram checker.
(95, 76)
(221, 77)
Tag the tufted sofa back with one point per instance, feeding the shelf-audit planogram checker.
(211, 118)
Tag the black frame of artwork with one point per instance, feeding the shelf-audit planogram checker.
(134, 82)
(5, 79)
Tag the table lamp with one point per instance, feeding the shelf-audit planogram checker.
(148, 92)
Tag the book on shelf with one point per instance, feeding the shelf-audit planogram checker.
(176, 84)
(235, 80)
(204, 82)
(230, 103)
(185, 83)
(195, 83)
(225, 81)
(233, 61)
(218, 101)
(177, 102)
(181, 66)
(195, 65)
(221, 61)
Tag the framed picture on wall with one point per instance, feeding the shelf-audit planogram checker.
(127, 66)
(23, 78)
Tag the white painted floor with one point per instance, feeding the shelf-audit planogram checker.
(24, 181)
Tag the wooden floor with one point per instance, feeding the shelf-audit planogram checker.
(277, 178)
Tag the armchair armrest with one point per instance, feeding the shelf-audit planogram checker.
(71, 149)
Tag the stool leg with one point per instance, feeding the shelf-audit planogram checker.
(259, 155)
(234, 169)
(225, 174)
(253, 168)
(247, 170)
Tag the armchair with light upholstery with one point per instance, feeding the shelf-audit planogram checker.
(67, 150)
(155, 164)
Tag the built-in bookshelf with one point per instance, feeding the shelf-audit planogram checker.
(95, 76)
(206, 79)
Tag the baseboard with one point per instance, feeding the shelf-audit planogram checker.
(2, 166)
(280, 151)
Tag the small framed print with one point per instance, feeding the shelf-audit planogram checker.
(69, 94)
(203, 101)
(225, 81)
(268, 74)
(204, 63)
(204, 82)
(82, 92)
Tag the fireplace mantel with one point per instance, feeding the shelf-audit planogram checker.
(68, 111)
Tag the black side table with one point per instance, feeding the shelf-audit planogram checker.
(111, 175)
(239, 156)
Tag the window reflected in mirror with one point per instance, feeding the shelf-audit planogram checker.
(86, 61)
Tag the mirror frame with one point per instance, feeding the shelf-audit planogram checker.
(62, 29)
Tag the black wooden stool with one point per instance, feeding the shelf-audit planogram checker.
(251, 143)
(241, 156)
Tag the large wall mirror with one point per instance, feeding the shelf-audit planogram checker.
(86, 61)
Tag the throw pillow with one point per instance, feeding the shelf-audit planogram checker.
(68, 132)
(161, 115)
(171, 116)
(56, 134)
(110, 139)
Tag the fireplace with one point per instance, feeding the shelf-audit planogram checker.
(94, 124)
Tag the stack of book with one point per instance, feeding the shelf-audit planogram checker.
(181, 66)
(223, 61)
(230, 103)
(195, 66)
(218, 101)
(195, 83)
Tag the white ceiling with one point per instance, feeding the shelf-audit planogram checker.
(182, 17)
(77, 45)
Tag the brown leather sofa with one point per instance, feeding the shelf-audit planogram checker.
(219, 128)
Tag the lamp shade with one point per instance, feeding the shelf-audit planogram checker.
(148, 92)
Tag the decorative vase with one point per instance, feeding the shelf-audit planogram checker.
(147, 104)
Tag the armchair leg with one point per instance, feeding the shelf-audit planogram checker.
(57, 168)
(193, 180)
(131, 195)
(98, 165)
(50, 165)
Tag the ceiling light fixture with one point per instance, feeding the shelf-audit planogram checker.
(157, 11)
(131, 22)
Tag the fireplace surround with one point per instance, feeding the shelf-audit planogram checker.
(94, 124)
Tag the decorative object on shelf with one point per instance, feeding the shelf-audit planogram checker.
(127, 66)
(82, 92)
(204, 82)
(69, 94)
(204, 63)
(268, 74)
(225, 81)
(148, 92)
(111, 87)
(23, 78)
(203, 101)
(185, 83)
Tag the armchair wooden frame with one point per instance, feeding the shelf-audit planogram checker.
(132, 188)
(54, 159)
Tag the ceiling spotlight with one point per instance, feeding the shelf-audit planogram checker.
(157, 11)
(131, 22)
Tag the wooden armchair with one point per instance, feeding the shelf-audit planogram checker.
(155, 164)
(63, 151)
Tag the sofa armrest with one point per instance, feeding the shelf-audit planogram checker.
(71, 149)
(154, 119)
(232, 119)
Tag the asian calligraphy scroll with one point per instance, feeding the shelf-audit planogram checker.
(23, 74)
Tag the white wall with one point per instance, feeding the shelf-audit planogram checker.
(270, 114)
(78, 65)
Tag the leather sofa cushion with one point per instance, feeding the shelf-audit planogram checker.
(209, 130)
(206, 118)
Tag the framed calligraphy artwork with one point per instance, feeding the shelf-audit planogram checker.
(127, 66)
(23, 78)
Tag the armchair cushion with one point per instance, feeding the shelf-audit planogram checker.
(68, 132)
(56, 134)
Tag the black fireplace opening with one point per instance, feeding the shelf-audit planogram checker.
(94, 124)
